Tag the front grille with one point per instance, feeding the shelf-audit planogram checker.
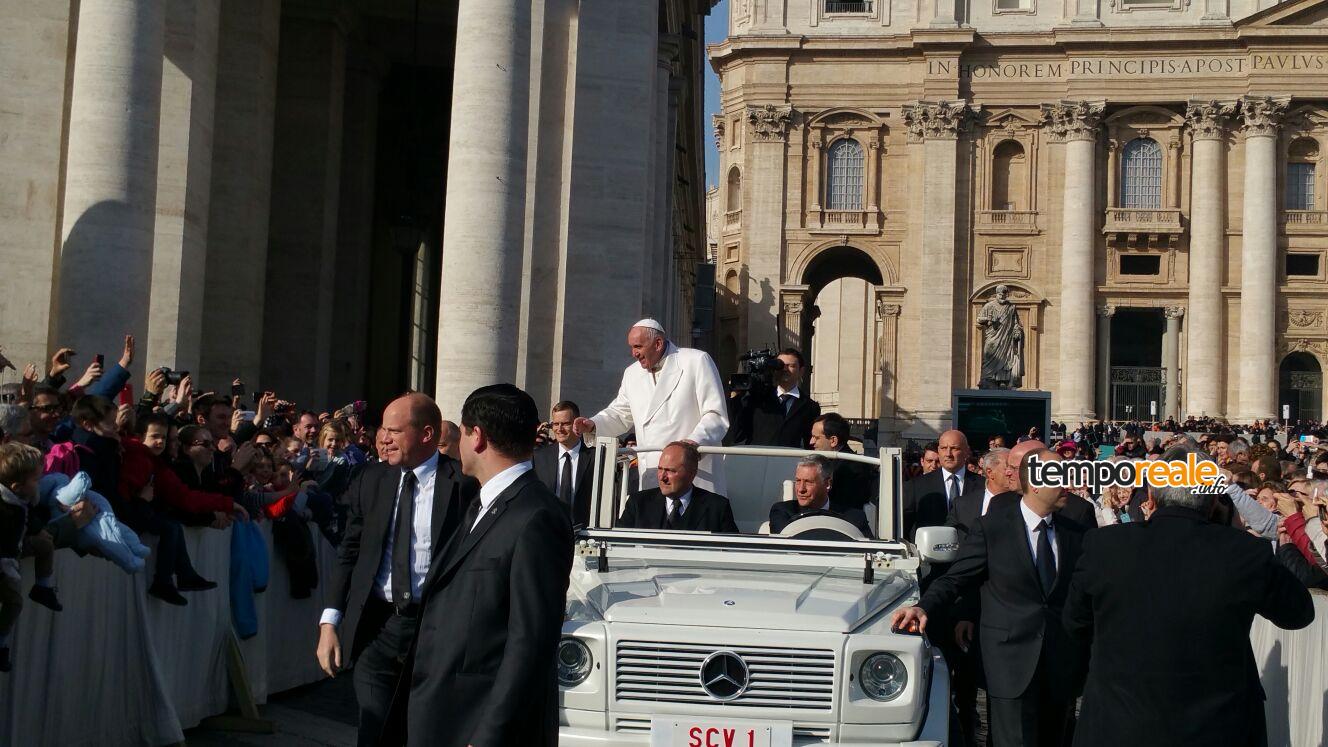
(632, 725)
(659, 672)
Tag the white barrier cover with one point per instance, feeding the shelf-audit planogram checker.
(117, 667)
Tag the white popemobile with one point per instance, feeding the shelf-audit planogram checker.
(706, 640)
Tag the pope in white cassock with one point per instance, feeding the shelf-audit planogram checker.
(669, 394)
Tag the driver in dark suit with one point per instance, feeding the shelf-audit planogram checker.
(677, 503)
(811, 491)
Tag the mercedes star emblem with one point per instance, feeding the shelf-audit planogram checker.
(724, 675)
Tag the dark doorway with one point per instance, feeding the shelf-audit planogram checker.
(1137, 377)
(1300, 387)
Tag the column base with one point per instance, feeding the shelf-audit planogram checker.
(1072, 418)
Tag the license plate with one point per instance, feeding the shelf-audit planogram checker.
(667, 731)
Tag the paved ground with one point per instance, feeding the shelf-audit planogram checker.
(318, 715)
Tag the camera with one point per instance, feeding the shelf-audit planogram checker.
(283, 408)
(173, 378)
(758, 370)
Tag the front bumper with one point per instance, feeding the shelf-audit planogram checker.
(570, 737)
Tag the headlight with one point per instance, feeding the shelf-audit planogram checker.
(882, 676)
(574, 661)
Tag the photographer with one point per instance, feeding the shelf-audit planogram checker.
(770, 408)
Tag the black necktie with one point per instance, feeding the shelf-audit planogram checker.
(565, 482)
(1046, 558)
(953, 492)
(673, 519)
(472, 512)
(401, 554)
(784, 402)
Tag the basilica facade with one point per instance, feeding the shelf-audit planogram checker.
(1143, 177)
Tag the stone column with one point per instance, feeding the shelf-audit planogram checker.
(241, 190)
(1171, 362)
(1104, 314)
(763, 218)
(1076, 123)
(814, 150)
(184, 186)
(1258, 259)
(887, 366)
(110, 190)
(936, 125)
(1205, 356)
(483, 229)
(790, 320)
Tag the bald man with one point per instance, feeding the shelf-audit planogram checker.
(1019, 557)
(1074, 507)
(402, 509)
(929, 498)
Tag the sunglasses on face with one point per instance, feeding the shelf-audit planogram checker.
(208, 444)
(46, 408)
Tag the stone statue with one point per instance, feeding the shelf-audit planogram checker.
(1002, 343)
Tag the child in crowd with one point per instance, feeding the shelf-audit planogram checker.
(20, 469)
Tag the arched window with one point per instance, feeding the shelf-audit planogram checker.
(1141, 174)
(844, 176)
(1301, 158)
(1009, 176)
(734, 200)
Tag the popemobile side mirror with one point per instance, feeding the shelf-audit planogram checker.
(938, 544)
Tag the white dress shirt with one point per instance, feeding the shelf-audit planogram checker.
(490, 490)
(1031, 521)
(986, 501)
(794, 393)
(686, 499)
(421, 539)
(945, 481)
(563, 451)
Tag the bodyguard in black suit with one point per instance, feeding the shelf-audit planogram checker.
(1021, 557)
(929, 498)
(853, 485)
(676, 503)
(482, 670)
(1167, 605)
(782, 417)
(566, 465)
(812, 484)
(401, 511)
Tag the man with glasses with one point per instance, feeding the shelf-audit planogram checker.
(564, 466)
(44, 414)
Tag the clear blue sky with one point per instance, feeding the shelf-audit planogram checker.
(716, 28)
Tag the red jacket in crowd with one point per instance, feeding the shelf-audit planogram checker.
(141, 466)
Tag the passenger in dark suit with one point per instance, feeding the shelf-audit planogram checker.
(1167, 606)
(853, 484)
(782, 417)
(482, 671)
(1022, 558)
(401, 511)
(676, 504)
(929, 498)
(811, 490)
(566, 465)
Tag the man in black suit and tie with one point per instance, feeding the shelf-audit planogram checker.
(1077, 509)
(401, 510)
(564, 466)
(482, 671)
(929, 498)
(1022, 558)
(964, 654)
(852, 484)
(783, 417)
(811, 497)
(677, 503)
(1167, 606)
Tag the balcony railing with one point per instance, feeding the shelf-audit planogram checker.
(845, 218)
(848, 6)
(1007, 219)
(732, 218)
(1305, 221)
(1143, 220)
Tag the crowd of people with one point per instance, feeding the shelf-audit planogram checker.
(408, 500)
(87, 466)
